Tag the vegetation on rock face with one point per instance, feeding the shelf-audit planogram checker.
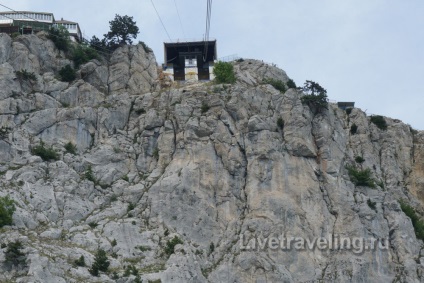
(47, 154)
(205, 107)
(14, 254)
(315, 96)
(146, 48)
(25, 75)
(101, 263)
(280, 123)
(379, 121)
(98, 44)
(170, 245)
(67, 74)
(80, 261)
(277, 84)
(7, 208)
(361, 177)
(71, 148)
(415, 219)
(83, 53)
(291, 84)
(224, 73)
(359, 159)
(89, 175)
(60, 37)
(130, 207)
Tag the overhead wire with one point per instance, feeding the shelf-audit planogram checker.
(160, 19)
(179, 18)
(208, 22)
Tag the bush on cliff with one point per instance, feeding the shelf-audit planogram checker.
(60, 37)
(415, 219)
(67, 74)
(361, 177)
(7, 208)
(224, 73)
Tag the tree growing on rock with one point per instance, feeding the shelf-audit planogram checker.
(122, 30)
(14, 255)
(315, 96)
(7, 207)
(101, 263)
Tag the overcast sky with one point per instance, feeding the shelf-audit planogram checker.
(367, 51)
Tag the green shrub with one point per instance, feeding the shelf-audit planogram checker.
(170, 245)
(115, 275)
(14, 254)
(67, 73)
(89, 175)
(15, 35)
(291, 84)
(224, 73)
(353, 129)
(156, 153)
(361, 177)
(277, 84)
(379, 121)
(146, 48)
(25, 75)
(415, 219)
(359, 159)
(113, 198)
(7, 208)
(93, 224)
(82, 54)
(71, 148)
(205, 107)
(130, 207)
(280, 123)
(46, 154)
(131, 269)
(101, 263)
(60, 37)
(80, 261)
(348, 111)
(144, 248)
(211, 247)
(113, 243)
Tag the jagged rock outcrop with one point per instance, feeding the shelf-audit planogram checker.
(153, 164)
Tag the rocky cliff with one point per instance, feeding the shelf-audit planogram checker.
(179, 182)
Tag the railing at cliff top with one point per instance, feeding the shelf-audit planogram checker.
(229, 58)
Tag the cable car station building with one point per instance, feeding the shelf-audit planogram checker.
(190, 61)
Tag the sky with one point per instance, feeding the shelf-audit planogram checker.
(367, 51)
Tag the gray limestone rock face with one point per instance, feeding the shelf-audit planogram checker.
(196, 182)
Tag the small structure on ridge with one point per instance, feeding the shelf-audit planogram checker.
(190, 60)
